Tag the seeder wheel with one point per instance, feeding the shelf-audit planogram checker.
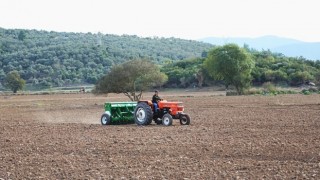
(105, 119)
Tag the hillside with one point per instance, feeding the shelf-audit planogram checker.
(286, 46)
(57, 58)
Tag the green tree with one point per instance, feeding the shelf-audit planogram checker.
(185, 73)
(300, 77)
(22, 35)
(130, 77)
(231, 64)
(14, 81)
(275, 76)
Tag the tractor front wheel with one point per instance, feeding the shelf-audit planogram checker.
(105, 119)
(184, 119)
(167, 120)
(143, 114)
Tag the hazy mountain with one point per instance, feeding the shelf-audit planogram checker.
(307, 50)
(286, 46)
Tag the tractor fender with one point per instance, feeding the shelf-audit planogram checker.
(146, 101)
(178, 115)
(108, 112)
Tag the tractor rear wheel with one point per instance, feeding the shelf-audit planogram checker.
(167, 120)
(143, 114)
(184, 119)
(105, 119)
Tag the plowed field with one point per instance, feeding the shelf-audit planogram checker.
(245, 137)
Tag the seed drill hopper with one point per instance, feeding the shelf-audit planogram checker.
(118, 113)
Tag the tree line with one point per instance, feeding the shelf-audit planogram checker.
(230, 65)
(46, 59)
(267, 67)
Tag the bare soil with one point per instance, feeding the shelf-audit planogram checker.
(240, 137)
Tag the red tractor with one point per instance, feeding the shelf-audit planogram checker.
(144, 113)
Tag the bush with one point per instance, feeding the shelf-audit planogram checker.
(306, 92)
(299, 77)
(291, 92)
(268, 87)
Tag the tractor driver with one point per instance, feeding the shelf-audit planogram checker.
(155, 100)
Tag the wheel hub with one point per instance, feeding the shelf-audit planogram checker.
(166, 120)
(140, 114)
(184, 120)
(104, 120)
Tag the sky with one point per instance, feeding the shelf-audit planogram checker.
(186, 19)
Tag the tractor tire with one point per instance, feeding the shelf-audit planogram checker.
(143, 114)
(167, 120)
(105, 119)
(184, 119)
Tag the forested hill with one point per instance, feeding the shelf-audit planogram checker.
(56, 58)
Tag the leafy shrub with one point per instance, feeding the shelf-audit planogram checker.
(306, 92)
(291, 92)
(300, 77)
(268, 87)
